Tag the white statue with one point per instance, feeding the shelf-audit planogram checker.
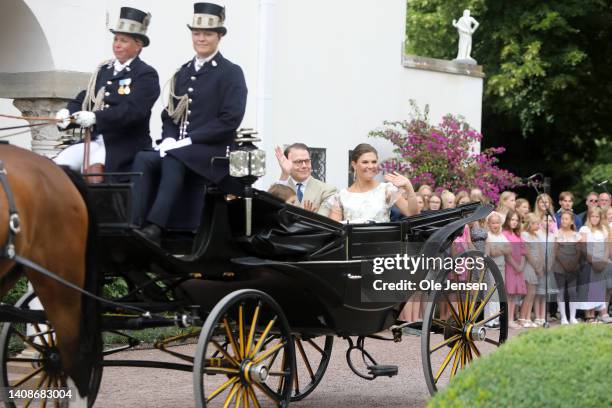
(465, 30)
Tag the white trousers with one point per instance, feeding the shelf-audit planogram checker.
(72, 156)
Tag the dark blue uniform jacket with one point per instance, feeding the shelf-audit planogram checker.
(217, 101)
(124, 119)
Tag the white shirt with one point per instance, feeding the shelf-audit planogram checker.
(199, 62)
(118, 67)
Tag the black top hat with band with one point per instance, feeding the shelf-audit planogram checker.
(208, 16)
(133, 22)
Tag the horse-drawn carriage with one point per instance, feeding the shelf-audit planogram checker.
(263, 286)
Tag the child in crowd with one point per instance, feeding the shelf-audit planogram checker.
(507, 202)
(462, 198)
(425, 191)
(566, 264)
(497, 247)
(544, 209)
(515, 262)
(522, 208)
(283, 192)
(477, 196)
(448, 199)
(534, 266)
(435, 202)
(596, 245)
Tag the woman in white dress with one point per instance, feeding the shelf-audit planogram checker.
(368, 200)
(595, 236)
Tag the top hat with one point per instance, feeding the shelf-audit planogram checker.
(208, 16)
(133, 22)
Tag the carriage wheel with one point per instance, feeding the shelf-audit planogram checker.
(308, 351)
(30, 360)
(451, 343)
(242, 373)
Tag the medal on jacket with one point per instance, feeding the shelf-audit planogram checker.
(124, 86)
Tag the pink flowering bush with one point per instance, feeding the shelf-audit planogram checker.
(443, 156)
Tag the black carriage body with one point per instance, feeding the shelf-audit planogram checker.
(311, 265)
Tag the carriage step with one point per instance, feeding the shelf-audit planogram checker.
(382, 370)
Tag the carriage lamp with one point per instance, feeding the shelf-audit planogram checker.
(247, 163)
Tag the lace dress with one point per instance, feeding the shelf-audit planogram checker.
(371, 206)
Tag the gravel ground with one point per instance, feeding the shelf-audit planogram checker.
(151, 388)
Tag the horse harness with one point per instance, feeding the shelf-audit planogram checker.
(8, 251)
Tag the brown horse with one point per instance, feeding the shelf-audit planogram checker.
(57, 235)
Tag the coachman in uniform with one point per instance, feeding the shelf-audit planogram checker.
(117, 102)
(206, 105)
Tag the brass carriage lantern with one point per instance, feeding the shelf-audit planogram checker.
(247, 163)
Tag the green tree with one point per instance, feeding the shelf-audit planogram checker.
(548, 68)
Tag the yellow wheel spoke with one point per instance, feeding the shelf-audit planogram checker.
(488, 319)
(484, 302)
(452, 309)
(444, 324)
(455, 364)
(462, 356)
(230, 336)
(262, 337)
(225, 353)
(459, 302)
(476, 351)
(43, 404)
(42, 379)
(38, 334)
(305, 358)
(221, 388)
(266, 392)
(253, 397)
(446, 361)
(239, 396)
(252, 331)
(27, 377)
(475, 297)
(445, 342)
(230, 396)
(469, 352)
(221, 370)
(268, 352)
(241, 331)
(30, 343)
(245, 397)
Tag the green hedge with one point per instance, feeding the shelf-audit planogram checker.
(567, 366)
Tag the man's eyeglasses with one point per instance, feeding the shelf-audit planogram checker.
(592, 200)
(301, 162)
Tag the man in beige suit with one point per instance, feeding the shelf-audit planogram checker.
(296, 169)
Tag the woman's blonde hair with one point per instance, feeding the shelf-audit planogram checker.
(603, 222)
(460, 195)
(503, 197)
(444, 195)
(539, 198)
(531, 218)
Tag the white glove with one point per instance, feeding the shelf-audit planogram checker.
(164, 145)
(181, 143)
(85, 118)
(64, 116)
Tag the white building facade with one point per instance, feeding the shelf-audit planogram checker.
(323, 73)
